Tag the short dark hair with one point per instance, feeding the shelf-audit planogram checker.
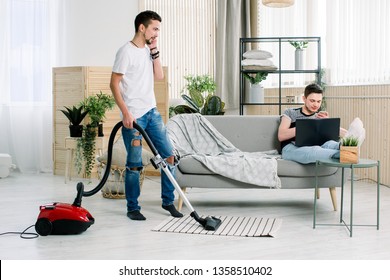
(144, 18)
(312, 88)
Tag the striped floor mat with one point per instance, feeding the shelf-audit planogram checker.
(230, 226)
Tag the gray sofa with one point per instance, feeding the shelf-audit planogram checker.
(251, 134)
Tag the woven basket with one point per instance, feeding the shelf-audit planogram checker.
(115, 185)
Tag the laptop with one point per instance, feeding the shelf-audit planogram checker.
(313, 132)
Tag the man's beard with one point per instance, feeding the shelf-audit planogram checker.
(148, 41)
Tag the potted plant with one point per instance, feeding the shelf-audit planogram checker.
(299, 48)
(75, 116)
(200, 97)
(256, 92)
(349, 150)
(97, 106)
(85, 151)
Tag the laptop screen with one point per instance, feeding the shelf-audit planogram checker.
(315, 132)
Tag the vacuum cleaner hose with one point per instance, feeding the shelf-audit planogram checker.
(108, 164)
(109, 155)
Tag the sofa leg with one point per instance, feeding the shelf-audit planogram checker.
(180, 200)
(333, 196)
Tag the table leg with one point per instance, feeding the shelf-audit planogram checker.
(351, 214)
(342, 195)
(67, 165)
(377, 194)
(315, 197)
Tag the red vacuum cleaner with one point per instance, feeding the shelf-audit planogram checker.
(62, 218)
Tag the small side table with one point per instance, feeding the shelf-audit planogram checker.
(363, 163)
(71, 145)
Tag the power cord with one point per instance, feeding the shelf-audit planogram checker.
(23, 234)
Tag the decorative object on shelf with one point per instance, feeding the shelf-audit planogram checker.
(349, 150)
(200, 98)
(299, 53)
(258, 60)
(256, 90)
(291, 99)
(278, 3)
(75, 116)
(97, 106)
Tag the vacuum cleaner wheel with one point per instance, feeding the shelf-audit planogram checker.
(43, 226)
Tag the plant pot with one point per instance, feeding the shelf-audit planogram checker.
(349, 154)
(75, 130)
(256, 93)
(100, 130)
(299, 59)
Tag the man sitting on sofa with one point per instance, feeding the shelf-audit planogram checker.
(286, 134)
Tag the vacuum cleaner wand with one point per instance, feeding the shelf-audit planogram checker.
(209, 223)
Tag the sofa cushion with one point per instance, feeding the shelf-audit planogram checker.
(286, 168)
(189, 165)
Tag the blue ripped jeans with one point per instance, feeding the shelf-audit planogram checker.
(154, 127)
(310, 154)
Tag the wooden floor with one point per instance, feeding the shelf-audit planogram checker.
(115, 237)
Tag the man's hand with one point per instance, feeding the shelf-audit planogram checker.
(128, 120)
(322, 115)
(152, 43)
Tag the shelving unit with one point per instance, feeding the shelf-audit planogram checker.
(284, 48)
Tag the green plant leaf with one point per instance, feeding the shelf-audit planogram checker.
(75, 114)
(191, 102)
(85, 151)
(256, 78)
(299, 45)
(184, 109)
(197, 98)
(97, 106)
(350, 141)
(201, 83)
(212, 106)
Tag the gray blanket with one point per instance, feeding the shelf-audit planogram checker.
(193, 135)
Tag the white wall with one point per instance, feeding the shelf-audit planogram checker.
(91, 31)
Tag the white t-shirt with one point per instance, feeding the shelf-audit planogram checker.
(137, 84)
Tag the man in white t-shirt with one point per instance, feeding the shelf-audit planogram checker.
(137, 64)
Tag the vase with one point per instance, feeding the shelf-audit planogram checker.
(349, 154)
(75, 130)
(256, 93)
(100, 130)
(299, 57)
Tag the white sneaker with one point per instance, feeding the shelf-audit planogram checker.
(357, 130)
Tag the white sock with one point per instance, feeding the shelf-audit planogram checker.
(357, 130)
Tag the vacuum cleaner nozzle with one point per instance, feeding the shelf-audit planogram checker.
(209, 223)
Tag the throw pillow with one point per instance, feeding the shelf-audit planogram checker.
(257, 54)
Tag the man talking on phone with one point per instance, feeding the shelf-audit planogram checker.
(137, 64)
